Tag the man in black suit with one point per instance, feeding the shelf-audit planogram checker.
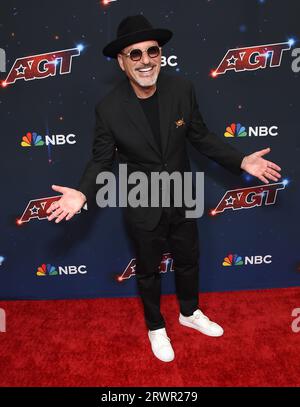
(148, 118)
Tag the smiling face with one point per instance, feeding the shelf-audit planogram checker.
(142, 74)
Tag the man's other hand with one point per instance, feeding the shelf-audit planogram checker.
(261, 168)
(68, 205)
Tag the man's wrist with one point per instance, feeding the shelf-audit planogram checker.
(83, 197)
(243, 162)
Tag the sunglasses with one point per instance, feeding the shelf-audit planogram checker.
(136, 54)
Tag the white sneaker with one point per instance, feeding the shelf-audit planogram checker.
(202, 323)
(160, 344)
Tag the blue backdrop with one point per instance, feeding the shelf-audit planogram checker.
(52, 76)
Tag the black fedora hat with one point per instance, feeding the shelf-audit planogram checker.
(135, 29)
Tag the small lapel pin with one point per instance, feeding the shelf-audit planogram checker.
(179, 123)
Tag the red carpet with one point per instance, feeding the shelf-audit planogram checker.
(103, 342)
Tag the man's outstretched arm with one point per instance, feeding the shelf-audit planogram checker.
(103, 154)
(213, 147)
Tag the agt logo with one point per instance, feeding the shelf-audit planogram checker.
(253, 58)
(236, 260)
(33, 139)
(238, 130)
(37, 208)
(50, 270)
(247, 198)
(42, 66)
(166, 265)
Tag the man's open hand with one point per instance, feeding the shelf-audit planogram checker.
(261, 168)
(69, 204)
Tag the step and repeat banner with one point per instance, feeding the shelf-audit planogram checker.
(243, 57)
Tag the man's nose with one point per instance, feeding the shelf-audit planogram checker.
(145, 58)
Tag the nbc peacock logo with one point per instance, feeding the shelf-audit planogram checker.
(251, 260)
(235, 130)
(46, 270)
(32, 140)
(232, 260)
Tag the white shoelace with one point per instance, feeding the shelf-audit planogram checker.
(198, 314)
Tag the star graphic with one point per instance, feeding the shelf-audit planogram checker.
(232, 60)
(231, 199)
(21, 68)
(34, 210)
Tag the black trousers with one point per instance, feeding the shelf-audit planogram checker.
(181, 234)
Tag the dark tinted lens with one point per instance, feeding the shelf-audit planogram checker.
(136, 54)
(153, 51)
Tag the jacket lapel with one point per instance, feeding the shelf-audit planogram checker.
(137, 116)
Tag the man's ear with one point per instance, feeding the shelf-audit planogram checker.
(121, 63)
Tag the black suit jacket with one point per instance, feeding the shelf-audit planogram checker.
(122, 127)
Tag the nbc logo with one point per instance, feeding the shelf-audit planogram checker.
(169, 61)
(235, 130)
(47, 270)
(238, 130)
(233, 260)
(50, 270)
(237, 260)
(33, 139)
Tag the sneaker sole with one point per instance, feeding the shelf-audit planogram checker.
(163, 360)
(203, 331)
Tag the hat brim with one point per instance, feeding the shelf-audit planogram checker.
(161, 35)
